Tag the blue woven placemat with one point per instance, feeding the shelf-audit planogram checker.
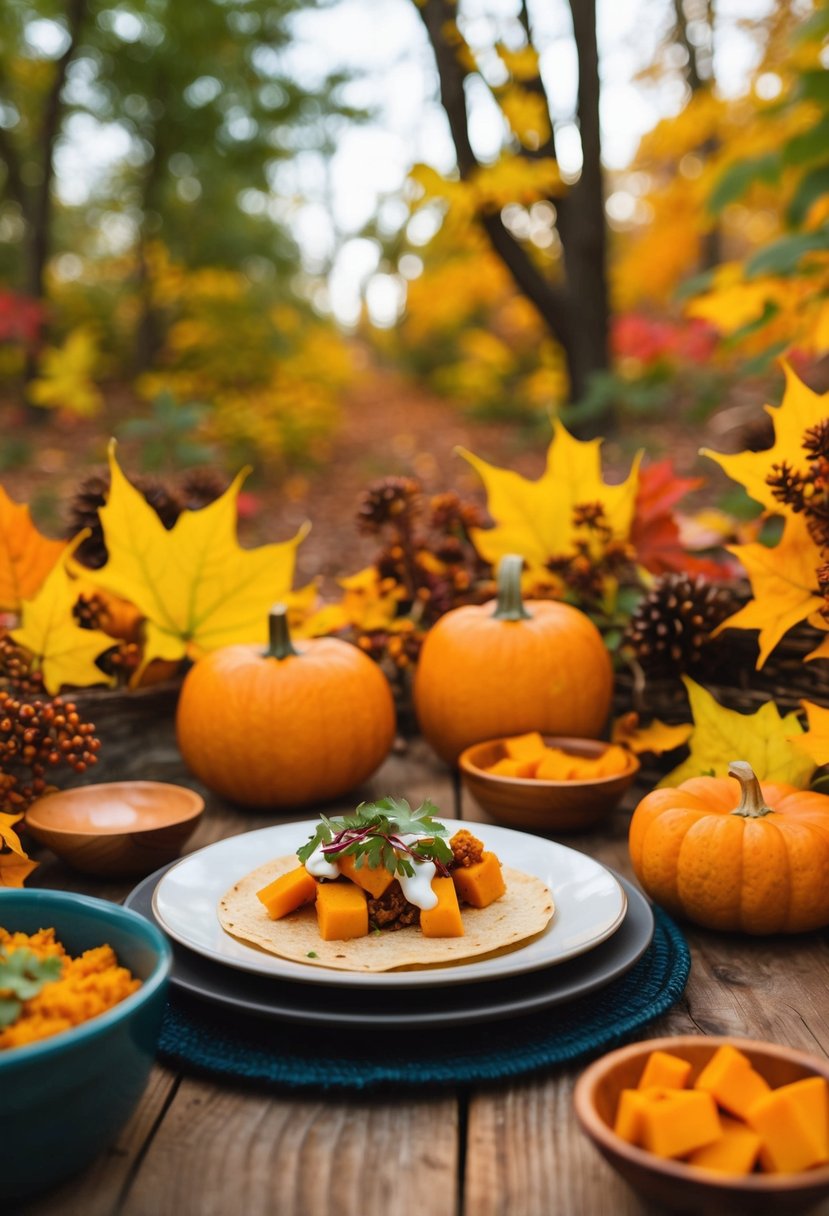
(195, 1037)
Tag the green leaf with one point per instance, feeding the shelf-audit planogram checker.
(22, 975)
(813, 187)
(321, 836)
(814, 86)
(735, 181)
(9, 1010)
(809, 146)
(783, 255)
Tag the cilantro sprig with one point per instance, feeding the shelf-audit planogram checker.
(373, 836)
(22, 975)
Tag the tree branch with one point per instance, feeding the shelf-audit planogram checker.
(549, 299)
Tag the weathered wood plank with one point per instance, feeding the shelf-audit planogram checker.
(226, 1150)
(525, 1153)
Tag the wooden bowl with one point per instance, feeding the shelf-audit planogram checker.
(546, 806)
(119, 827)
(672, 1185)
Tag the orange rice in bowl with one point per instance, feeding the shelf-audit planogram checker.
(87, 986)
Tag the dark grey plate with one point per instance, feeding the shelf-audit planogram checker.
(481, 1002)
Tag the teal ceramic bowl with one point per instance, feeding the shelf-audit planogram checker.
(64, 1099)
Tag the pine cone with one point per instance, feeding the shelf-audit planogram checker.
(87, 501)
(386, 501)
(200, 487)
(672, 625)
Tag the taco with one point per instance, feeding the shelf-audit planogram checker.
(384, 889)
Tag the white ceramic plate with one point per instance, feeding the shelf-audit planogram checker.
(590, 906)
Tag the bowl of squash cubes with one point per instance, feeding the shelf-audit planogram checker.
(700, 1123)
(549, 783)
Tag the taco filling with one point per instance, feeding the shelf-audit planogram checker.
(386, 888)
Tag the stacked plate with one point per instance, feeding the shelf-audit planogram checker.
(601, 926)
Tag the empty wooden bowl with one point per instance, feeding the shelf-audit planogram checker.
(546, 806)
(673, 1185)
(120, 827)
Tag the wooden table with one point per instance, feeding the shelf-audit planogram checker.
(195, 1148)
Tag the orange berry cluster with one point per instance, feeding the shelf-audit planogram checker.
(36, 736)
(16, 669)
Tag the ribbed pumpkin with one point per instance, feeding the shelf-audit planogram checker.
(295, 724)
(504, 668)
(753, 858)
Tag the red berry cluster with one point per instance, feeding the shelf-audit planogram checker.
(36, 736)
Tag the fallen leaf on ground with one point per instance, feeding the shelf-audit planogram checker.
(657, 737)
(815, 742)
(721, 735)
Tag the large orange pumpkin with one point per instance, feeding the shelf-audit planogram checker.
(504, 668)
(752, 858)
(295, 724)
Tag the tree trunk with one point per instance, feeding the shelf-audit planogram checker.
(38, 241)
(585, 251)
(576, 314)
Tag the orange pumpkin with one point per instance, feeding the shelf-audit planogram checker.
(757, 863)
(505, 668)
(292, 725)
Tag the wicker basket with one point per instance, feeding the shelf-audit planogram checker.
(731, 676)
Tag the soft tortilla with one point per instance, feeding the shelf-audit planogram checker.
(523, 911)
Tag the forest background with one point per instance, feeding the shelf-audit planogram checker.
(185, 263)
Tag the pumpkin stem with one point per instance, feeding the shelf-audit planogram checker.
(510, 605)
(751, 805)
(280, 645)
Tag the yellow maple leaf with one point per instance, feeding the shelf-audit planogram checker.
(657, 737)
(535, 518)
(369, 603)
(64, 653)
(65, 380)
(15, 866)
(800, 409)
(194, 585)
(26, 557)
(721, 735)
(815, 742)
(783, 583)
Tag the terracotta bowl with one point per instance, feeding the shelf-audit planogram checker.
(546, 806)
(677, 1187)
(120, 827)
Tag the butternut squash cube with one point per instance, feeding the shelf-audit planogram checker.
(675, 1122)
(730, 1079)
(664, 1069)
(790, 1141)
(376, 882)
(480, 884)
(444, 920)
(614, 760)
(628, 1122)
(525, 747)
(513, 768)
(735, 1152)
(288, 892)
(556, 765)
(812, 1096)
(342, 911)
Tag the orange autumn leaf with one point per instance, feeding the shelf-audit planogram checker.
(815, 742)
(26, 557)
(783, 584)
(657, 737)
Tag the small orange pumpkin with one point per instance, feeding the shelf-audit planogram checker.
(292, 725)
(757, 865)
(506, 668)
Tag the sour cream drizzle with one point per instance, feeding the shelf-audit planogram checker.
(417, 889)
(319, 865)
